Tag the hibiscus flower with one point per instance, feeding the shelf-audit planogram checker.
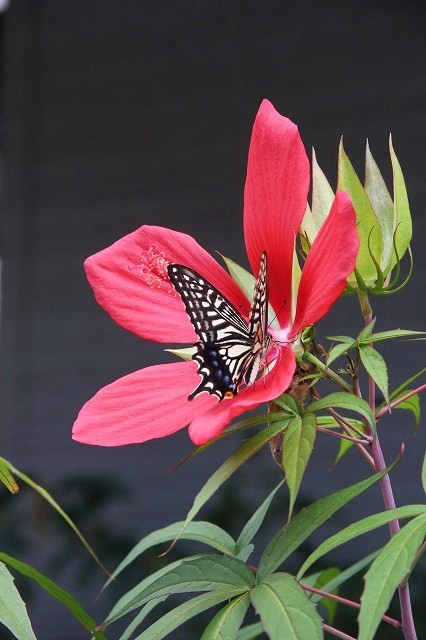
(130, 281)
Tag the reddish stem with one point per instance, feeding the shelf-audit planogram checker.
(395, 403)
(330, 432)
(336, 632)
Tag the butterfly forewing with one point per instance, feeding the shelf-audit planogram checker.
(229, 349)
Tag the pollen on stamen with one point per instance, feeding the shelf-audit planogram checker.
(153, 269)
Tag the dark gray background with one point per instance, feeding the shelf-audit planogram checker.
(122, 113)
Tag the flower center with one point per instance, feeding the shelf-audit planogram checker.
(153, 269)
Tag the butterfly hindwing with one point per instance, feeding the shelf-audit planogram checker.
(229, 349)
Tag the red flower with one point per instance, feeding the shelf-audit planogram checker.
(130, 281)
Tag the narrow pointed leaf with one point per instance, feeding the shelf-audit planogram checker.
(395, 333)
(227, 622)
(404, 228)
(346, 339)
(255, 522)
(359, 528)
(410, 404)
(382, 204)
(137, 621)
(13, 612)
(345, 575)
(347, 401)
(366, 332)
(175, 618)
(337, 351)
(7, 478)
(241, 455)
(285, 610)
(205, 573)
(46, 496)
(54, 590)
(329, 604)
(298, 444)
(386, 572)
(308, 520)
(367, 221)
(405, 384)
(204, 532)
(251, 632)
(376, 368)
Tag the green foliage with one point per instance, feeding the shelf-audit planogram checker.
(376, 367)
(285, 610)
(298, 443)
(346, 401)
(13, 612)
(227, 622)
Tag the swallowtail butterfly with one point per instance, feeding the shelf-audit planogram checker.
(230, 350)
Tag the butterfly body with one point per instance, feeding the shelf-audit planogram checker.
(230, 350)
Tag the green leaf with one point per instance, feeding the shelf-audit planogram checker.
(359, 528)
(346, 339)
(424, 474)
(404, 228)
(46, 495)
(289, 403)
(226, 624)
(410, 404)
(405, 384)
(365, 333)
(54, 590)
(386, 572)
(376, 368)
(137, 621)
(204, 532)
(241, 455)
(251, 632)
(298, 444)
(367, 221)
(13, 612)
(336, 351)
(344, 400)
(395, 333)
(322, 195)
(255, 522)
(175, 618)
(285, 610)
(345, 575)
(382, 204)
(329, 604)
(205, 573)
(185, 354)
(308, 520)
(7, 478)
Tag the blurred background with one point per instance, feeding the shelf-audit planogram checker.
(118, 113)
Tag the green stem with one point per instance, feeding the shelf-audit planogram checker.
(327, 371)
(408, 626)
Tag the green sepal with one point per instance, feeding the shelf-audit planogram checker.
(403, 224)
(185, 354)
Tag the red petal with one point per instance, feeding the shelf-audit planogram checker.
(275, 200)
(151, 403)
(210, 424)
(130, 281)
(329, 263)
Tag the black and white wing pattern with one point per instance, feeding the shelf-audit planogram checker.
(229, 350)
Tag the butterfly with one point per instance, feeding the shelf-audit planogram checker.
(230, 350)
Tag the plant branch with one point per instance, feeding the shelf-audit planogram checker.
(395, 403)
(336, 632)
(349, 603)
(327, 371)
(342, 435)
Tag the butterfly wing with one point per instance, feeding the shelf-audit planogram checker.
(226, 345)
(258, 322)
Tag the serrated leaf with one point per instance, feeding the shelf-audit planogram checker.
(241, 455)
(255, 522)
(227, 622)
(185, 354)
(298, 444)
(395, 333)
(376, 367)
(251, 632)
(54, 590)
(386, 572)
(366, 332)
(347, 401)
(382, 204)
(201, 531)
(359, 528)
(13, 611)
(46, 496)
(204, 573)
(404, 228)
(329, 604)
(410, 404)
(307, 521)
(246, 281)
(337, 351)
(175, 618)
(368, 225)
(285, 610)
(7, 478)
